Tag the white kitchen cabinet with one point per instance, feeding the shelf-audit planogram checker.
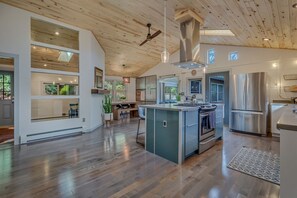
(276, 109)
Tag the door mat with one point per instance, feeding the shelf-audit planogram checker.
(257, 163)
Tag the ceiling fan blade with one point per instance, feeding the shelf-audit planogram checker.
(156, 34)
(143, 42)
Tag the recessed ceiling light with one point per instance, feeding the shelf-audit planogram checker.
(71, 81)
(45, 65)
(57, 33)
(59, 79)
(34, 47)
(266, 39)
(274, 65)
(294, 5)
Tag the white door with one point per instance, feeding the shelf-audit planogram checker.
(6, 99)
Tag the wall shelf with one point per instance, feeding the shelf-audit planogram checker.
(100, 91)
(290, 77)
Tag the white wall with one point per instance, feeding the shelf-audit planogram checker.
(15, 39)
(250, 60)
(131, 87)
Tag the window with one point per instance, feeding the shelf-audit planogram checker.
(217, 92)
(54, 72)
(5, 86)
(170, 93)
(233, 56)
(54, 109)
(54, 59)
(117, 89)
(45, 84)
(195, 86)
(45, 32)
(211, 56)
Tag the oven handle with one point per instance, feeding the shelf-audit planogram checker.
(190, 125)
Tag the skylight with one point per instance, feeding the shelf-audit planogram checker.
(65, 56)
(216, 33)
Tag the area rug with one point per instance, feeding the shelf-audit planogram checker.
(6, 134)
(261, 164)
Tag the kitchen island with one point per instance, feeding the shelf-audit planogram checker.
(172, 131)
(288, 152)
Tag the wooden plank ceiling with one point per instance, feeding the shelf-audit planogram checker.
(120, 25)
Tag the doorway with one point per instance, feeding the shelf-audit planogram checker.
(217, 91)
(6, 99)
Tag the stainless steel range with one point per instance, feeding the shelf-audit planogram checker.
(206, 130)
(207, 127)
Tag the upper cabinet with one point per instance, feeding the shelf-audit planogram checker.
(140, 83)
(146, 89)
(53, 34)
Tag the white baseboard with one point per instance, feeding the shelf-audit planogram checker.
(52, 134)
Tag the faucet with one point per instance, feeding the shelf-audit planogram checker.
(193, 98)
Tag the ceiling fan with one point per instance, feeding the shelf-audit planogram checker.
(149, 36)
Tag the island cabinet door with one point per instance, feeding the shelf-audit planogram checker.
(166, 134)
(191, 133)
(150, 130)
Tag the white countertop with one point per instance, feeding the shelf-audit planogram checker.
(170, 107)
(288, 120)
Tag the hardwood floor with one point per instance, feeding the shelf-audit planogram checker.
(108, 163)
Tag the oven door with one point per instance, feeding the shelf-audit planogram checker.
(207, 125)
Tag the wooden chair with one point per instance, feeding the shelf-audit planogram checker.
(73, 110)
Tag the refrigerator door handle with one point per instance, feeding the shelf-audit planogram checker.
(248, 112)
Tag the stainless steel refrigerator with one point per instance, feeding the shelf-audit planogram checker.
(249, 103)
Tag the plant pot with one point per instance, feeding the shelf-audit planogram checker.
(108, 116)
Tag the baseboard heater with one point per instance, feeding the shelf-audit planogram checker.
(50, 135)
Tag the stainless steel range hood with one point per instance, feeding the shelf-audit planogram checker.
(189, 40)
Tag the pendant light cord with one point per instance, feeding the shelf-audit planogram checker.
(165, 24)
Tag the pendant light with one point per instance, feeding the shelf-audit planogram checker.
(126, 80)
(165, 53)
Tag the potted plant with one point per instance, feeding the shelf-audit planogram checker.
(123, 98)
(107, 108)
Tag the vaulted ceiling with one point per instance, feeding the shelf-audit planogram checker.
(120, 25)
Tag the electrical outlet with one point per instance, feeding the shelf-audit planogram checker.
(164, 123)
(84, 119)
